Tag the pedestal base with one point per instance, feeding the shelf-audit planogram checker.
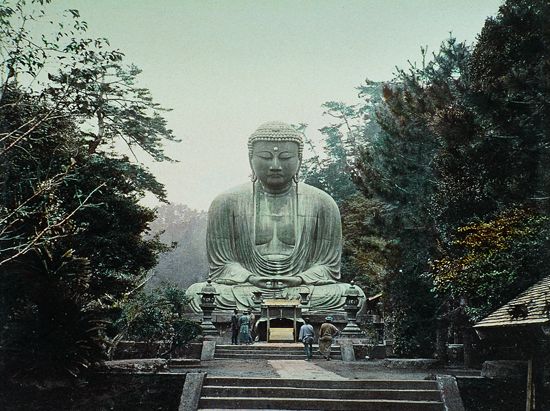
(352, 330)
(209, 329)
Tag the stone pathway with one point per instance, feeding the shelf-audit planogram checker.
(300, 369)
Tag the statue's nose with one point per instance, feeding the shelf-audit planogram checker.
(275, 165)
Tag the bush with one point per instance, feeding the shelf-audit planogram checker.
(157, 315)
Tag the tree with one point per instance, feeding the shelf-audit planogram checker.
(396, 171)
(70, 223)
(493, 200)
(461, 169)
(352, 127)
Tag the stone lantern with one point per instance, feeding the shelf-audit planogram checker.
(208, 304)
(352, 307)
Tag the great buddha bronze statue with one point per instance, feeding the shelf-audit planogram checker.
(274, 235)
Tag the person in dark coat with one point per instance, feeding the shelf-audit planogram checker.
(235, 327)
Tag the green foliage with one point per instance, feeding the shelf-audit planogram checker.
(463, 148)
(493, 130)
(492, 202)
(352, 127)
(51, 326)
(158, 315)
(457, 156)
(366, 254)
(49, 317)
(396, 172)
(105, 91)
(496, 259)
(71, 228)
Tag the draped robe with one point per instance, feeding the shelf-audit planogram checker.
(233, 256)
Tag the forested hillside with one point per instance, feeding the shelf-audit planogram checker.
(185, 263)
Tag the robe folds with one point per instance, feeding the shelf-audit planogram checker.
(233, 257)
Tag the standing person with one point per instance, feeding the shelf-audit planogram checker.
(244, 328)
(252, 318)
(235, 327)
(326, 333)
(306, 336)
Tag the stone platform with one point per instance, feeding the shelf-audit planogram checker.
(252, 381)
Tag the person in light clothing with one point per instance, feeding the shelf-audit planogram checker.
(244, 328)
(252, 331)
(326, 334)
(306, 336)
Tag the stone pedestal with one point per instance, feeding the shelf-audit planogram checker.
(208, 349)
(346, 348)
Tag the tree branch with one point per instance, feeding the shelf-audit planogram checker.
(50, 227)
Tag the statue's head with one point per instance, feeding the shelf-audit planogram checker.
(275, 153)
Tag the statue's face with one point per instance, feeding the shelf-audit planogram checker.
(275, 163)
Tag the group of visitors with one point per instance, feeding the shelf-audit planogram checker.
(242, 332)
(326, 333)
(242, 327)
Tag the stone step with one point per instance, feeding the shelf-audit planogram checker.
(297, 392)
(327, 384)
(248, 350)
(269, 352)
(268, 356)
(260, 352)
(255, 352)
(219, 403)
(265, 347)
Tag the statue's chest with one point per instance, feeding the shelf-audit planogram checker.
(275, 220)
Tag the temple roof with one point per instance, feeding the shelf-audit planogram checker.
(531, 307)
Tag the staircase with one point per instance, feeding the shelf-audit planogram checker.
(271, 352)
(296, 394)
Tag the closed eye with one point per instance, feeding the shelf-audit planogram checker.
(266, 155)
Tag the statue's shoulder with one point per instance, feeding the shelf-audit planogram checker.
(316, 196)
(237, 191)
(232, 196)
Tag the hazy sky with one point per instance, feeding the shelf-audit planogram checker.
(225, 67)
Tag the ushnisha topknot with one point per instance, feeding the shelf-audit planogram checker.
(276, 131)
